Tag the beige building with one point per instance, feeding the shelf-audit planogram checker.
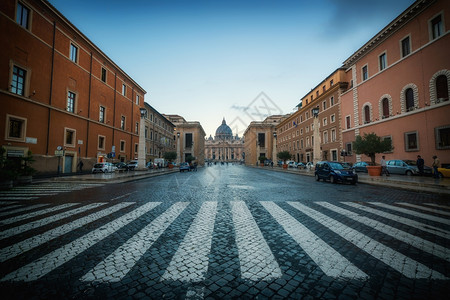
(260, 140)
(303, 133)
(159, 134)
(189, 139)
(224, 146)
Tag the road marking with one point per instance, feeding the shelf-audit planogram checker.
(3, 208)
(437, 205)
(118, 264)
(433, 210)
(190, 262)
(37, 240)
(120, 197)
(331, 262)
(18, 198)
(60, 256)
(412, 223)
(38, 223)
(37, 213)
(398, 234)
(22, 209)
(195, 293)
(396, 260)
(412, 213)
(255, 257)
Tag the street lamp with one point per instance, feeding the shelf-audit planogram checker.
(141, 152)
(316, 151)
(274, 147)
(178, 149)
(315, 111)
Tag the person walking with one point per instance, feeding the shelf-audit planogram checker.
(436, 165)
(80, 166)
(420, 164)
(384, 169)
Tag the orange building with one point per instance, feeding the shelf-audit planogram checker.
(60, 91)
(400, 83)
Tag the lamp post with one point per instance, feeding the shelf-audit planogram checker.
(316, 148)
(274, 148)
(141, 146)
(178, 149)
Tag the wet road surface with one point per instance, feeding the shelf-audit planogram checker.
(224, 232)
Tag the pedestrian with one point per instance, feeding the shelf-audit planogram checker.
(80, 166)
(436, 165)
(271, 163)
(420, 163)
(384, 169)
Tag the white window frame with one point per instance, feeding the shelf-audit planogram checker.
(380, 66)
(123, 144)
(441, 28)
(438, 135)
(402, 55)
(23, 130)
(362, 72)
(407, 149)
(74, 99)
(102, 115)
(29, 16)
(74, 138)
(71, 54)
(98, 142)
(124, 90)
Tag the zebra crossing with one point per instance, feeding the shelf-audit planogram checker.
(35, 191)
(257, 259)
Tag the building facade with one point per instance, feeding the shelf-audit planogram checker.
(159, 134)
(224, 146)
(399, 85)
(260, 139)
(189, 139)
(61, 96)
(301, 131)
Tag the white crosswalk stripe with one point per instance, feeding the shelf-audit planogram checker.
(36, 213)
(22, 209)
(433, 210)
(437, 205)
(412, 213)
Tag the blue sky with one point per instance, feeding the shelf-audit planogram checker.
(209, 60)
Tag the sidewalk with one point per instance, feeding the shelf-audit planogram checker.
(414, 183)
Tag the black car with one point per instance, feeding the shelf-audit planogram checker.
(335, 172)
(360, 166)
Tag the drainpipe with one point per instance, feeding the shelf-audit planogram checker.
(51, 88)
(89, 107)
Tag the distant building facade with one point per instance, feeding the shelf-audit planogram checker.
(60, 91)
(189, 139)
(224, 146)
(159, 134)
(260, 140)
(400, 83)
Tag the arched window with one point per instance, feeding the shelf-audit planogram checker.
(441, 88)
(385, 106)
(366, 114)
(409, 99)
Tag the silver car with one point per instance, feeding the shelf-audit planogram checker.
(406, 167)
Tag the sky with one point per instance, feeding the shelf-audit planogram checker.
(207, 60)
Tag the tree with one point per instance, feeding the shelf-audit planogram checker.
(262, 158)
(284, 155)
(170, 156)
(190, 158)
(371, 144)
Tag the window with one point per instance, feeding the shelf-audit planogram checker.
(331, 101)
(103, 74)
(334, 155)
(101, 116)
(136, 128)
(441, 88)
(73, 53)
(101, 142)
(262, 140)
(188, 141)
(385, 107)
(409, 99)
(325, 137)
(16, 128)
(347, 122)
(122, 123)
(333, 135)
(436, 27)
(442, 137)
(323, 89)
(406, 46)
(317, 94)
(325, 121)
(332, 118)
(387, 138)
(137, 99)
(301, 143)
(324, 105)
(382, 61)
(69, 139)
(136, 148)
(348, 148)
(146, 132)
(122, 146)
(301, 131)
(18, 81)
(411, 141)
(331, 82)
(23, 16)
(366, 114)
(365, 73)
(124, 89)
(70, 102)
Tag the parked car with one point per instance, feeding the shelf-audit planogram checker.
(444, 171)
(346, 165)
(301, 165)
(150, 165)
(184, 166)
(406, 167)
(291, 164)
(310, 165)
(132, 164)
(335, 172)
(280, 163)
(360, 166)
(121, 166)
(103, 167)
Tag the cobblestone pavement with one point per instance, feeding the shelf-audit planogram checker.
(224, 232)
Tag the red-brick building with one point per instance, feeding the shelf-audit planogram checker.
(60, 91)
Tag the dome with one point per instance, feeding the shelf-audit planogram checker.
(224, 131)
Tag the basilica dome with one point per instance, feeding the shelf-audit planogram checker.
(224, 131)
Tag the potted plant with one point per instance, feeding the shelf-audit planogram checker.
(170, 156)
(284, 155)
(370, 144)
(8, 171)
(261, 159)
(26, 172)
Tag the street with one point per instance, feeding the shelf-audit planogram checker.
(223, 232)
